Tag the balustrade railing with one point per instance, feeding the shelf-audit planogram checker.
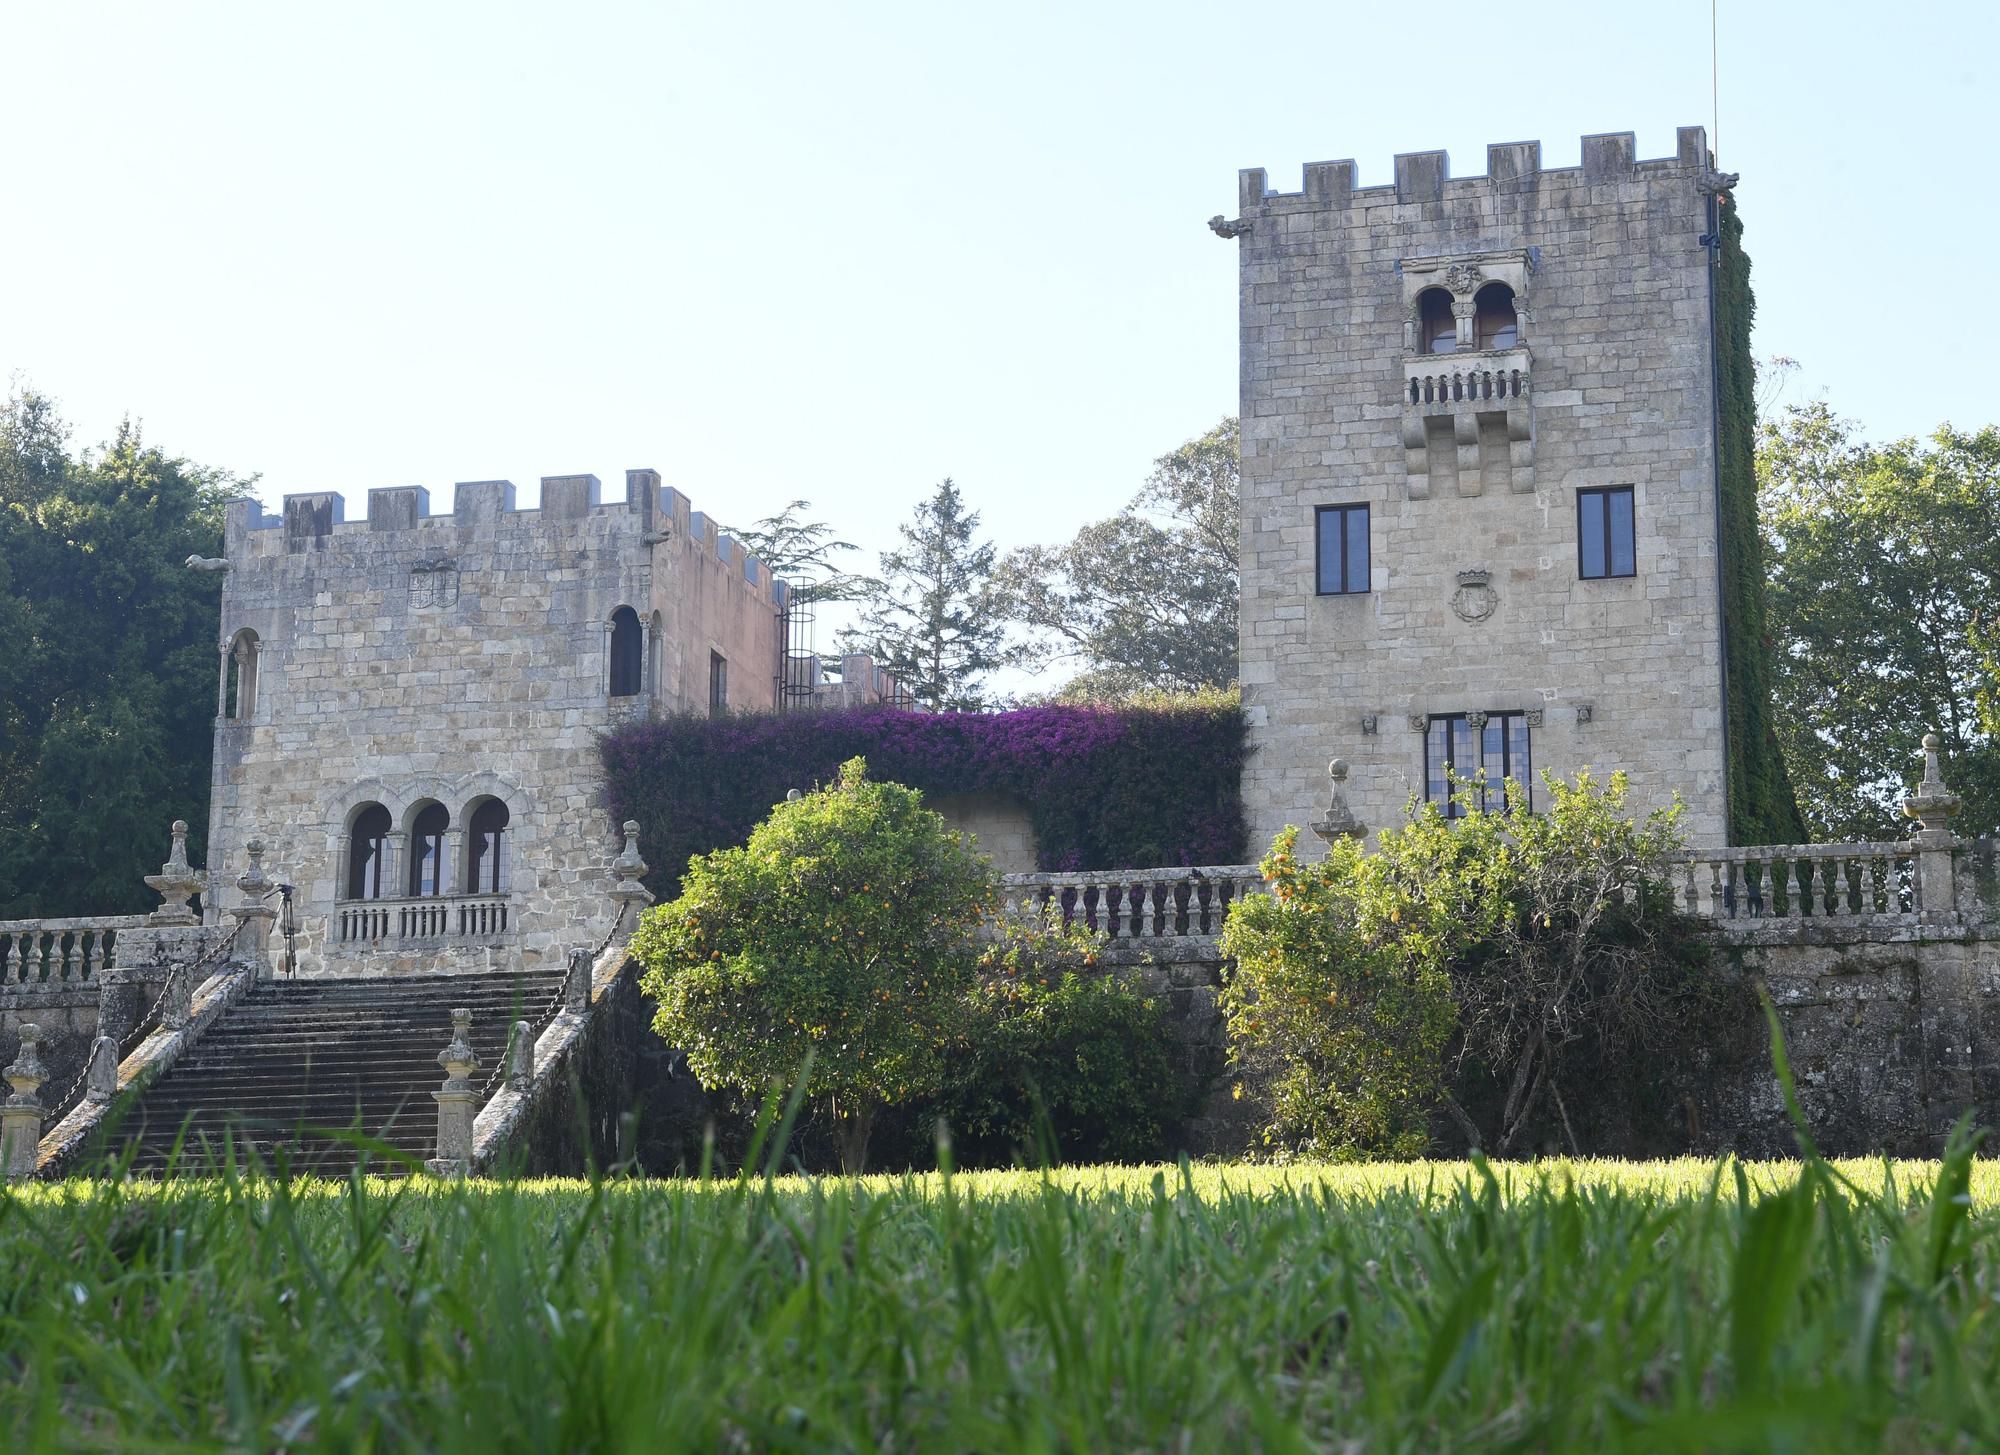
(1847, 884)
(1137, 904)
(431, 920)
(1455, 379)
(60, 951)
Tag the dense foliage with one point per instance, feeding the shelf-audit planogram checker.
(1885, 589)
(1060, 1060)
(1761, 806)
(1504, 950)
(108, 662)
(837, 938)
(1104, 787)
(1684, 1306)
(1145, 599)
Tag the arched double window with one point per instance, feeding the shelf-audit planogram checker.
(1437, 328)
(486, 846)
(628, 657)
(1495, 325)
(427, 869)
(239, 677)
(367, 852)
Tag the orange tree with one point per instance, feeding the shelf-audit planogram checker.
(843, 929)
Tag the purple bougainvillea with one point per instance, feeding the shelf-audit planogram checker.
(1105, 787)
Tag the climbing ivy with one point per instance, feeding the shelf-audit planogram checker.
(1761, 806)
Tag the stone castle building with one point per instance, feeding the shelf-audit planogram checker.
(409, 704)
(1480, 522)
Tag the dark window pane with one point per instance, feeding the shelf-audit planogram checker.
(1437, 758)
(1329, 551)
(1590, 532)
(1622, 555)
(1519, 768)
(1357, 549)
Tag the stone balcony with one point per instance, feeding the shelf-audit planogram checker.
(1460, 406)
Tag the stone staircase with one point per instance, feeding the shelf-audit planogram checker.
(320, 1054)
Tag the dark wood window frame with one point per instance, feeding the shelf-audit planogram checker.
(1345, 518)
(1606, 494)
(1488, 775)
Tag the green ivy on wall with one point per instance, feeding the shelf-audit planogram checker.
(1761, 807)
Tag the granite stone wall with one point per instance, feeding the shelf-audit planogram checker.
(1470, 464)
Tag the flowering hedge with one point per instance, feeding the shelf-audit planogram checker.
(1105, 787)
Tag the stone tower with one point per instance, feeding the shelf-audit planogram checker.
(1480, 526)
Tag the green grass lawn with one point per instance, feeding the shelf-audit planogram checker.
(1420, 1307)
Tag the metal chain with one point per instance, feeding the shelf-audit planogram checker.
(141, 1028)
(548, 1012)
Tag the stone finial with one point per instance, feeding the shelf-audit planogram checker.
(792, 795)
(520, 1058)
(175, 883)
(100, 1080)
(1933, 804)
(21, 1113)
(1339, 821)
(458, 1058)
(457, 1100)
(628, 866)
(255, 918)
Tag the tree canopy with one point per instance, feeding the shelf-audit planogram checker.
(108, 660)
(1147, 598)
(1884, 568)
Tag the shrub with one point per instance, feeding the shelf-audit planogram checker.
(1104, 787)
(842, 931)
(1061, 1061)
(1504, 950)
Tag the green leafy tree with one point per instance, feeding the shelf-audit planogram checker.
(1146, 599)
(1061, 1059)
(108, 660)
(932, 618)
(841, 929)
(1504, 951)
(1884, 565)
(802, 552)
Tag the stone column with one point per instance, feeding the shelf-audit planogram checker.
(395, 883)
(451, 859)
(100, 1081)
(21, 1114)
(1932, 807)
(457, 1099)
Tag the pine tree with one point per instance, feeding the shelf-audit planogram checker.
(931, 618)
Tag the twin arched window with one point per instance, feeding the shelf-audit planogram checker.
(429, 872)
(239, 677)
(1495, 324)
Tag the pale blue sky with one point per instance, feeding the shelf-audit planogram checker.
(841, 251)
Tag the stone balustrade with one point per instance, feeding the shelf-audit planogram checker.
(1843, 884)
(1465, 378)
(60, 951)
(1137, 904)
(430, 920)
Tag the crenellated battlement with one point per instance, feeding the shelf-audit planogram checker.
(651, 515)
(1608, 158)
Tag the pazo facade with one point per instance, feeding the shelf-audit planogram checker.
(408, 706)
(1479, 531)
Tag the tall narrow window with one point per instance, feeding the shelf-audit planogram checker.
(1342, 532)
(1437, 329)
(1494, 322)
(486, 849)
(1483, 748)
(627, 653)
(367, 850)
(427, 849)
(239, 693)
(1604, 533)
(718, 684)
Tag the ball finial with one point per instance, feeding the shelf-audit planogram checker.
(1933, 743)
(1337, 770)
